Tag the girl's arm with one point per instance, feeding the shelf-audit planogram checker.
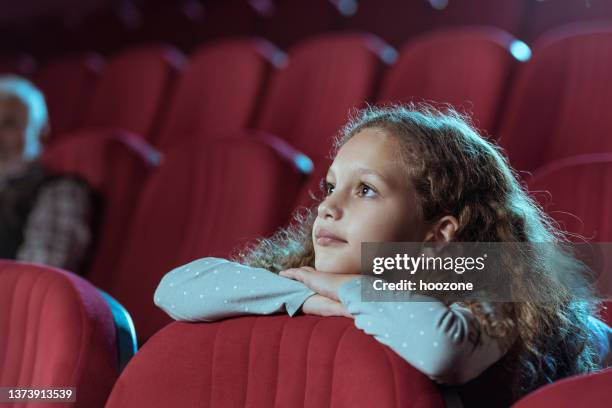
(211, 289)
(445, 343)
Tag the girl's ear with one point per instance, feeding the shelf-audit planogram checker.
(443, 230)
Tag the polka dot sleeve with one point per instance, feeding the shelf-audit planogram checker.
(445, 343)
(211, 289)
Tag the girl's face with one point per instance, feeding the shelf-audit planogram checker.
(368, 200)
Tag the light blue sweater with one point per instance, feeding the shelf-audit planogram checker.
(445, 343)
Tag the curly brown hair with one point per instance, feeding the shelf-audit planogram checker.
(458, 172)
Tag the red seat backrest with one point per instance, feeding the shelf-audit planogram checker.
(559, 104)
(326, 76)
(590, 390)
(133, 89)
(270, 361)
(207, 199)
(218, 89)
(57, 331)
(577, 193)
(465, 67)
(66, 85)
(115, 164)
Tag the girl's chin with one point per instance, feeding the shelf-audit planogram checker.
(324, 268)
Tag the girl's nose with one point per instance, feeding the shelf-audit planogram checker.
(329, 208)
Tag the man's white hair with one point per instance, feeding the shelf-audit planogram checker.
(18, 87)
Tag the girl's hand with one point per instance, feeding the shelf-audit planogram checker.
(319, 305)
(324, 283)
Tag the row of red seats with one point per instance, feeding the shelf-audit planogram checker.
(187, 210)
(304, 97)
(247, 361)
(188, 23)
(150, 227)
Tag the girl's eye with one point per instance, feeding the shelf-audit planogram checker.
(366, 190)
(326, 187)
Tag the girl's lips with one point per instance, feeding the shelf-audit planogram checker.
(327, 241)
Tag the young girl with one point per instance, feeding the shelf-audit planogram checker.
(409, 174)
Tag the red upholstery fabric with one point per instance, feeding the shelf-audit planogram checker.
(67, 85)
(57, 330)
(590, 390)
(577, 193)
(308, 101)
(466, 67)
(218, 89)
(188, 211)
(559, 104)
(116, 165)
(270, 361)
(133, 88)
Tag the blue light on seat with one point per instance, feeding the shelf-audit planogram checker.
(520, 50)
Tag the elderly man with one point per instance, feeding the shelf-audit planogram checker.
(44, 218)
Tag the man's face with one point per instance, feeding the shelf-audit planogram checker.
(13, 125)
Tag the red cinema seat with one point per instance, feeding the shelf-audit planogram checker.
(282, 361)
(575, 192)
(326, 76)
(115, 164)
(559, 104)
(207, 199)
(133, 89)
(310, 99)
(218, 89)
(66, 85)
(465, 67)
(57, 331)
(589, 390)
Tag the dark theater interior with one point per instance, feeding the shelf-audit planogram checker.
(173, 171)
